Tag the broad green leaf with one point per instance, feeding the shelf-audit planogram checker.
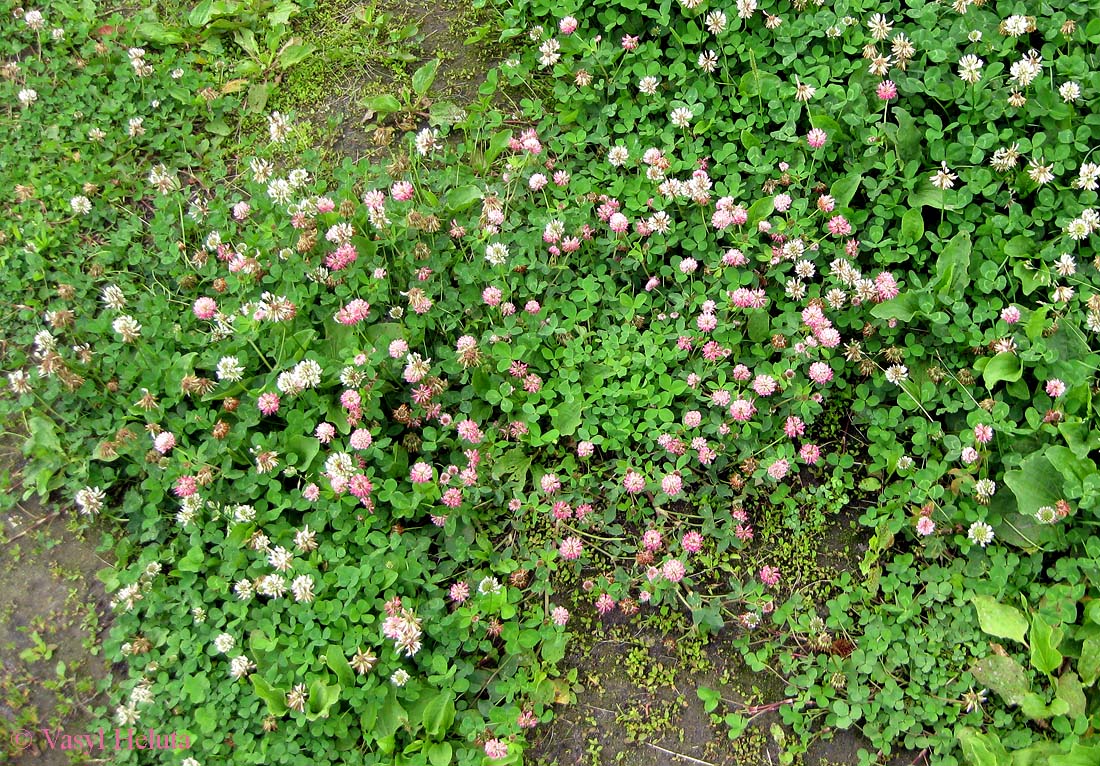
(512, 466)
(1005, 366)
(1003, 675)
(275, 698)
(1035, 483)
(304, 449)
(322, 696)
(1071, 691)
(423, 77)
(1088, 666)
(384, 104)
(903, 307)
(567, 416)
(461, 197)
(155, 32)
(497, 144)
(391, 716)
(981, 749)
(257, 97)
(999, 620)
(759, 326)
(844, 189)
(952, 272)
(338, 663)
(1045, 639)
(295, 53)
(1036, 708)
(439, 714)
(439, 753)
(912, 226)
(1078, 755)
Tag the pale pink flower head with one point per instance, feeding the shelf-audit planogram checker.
(810, 453)
(769, 575)
(585, 449)
(241, 211)
(605, 603)
(816, 138)
(185, 486)
(164, 442)
(651, 284)
(325, 432)
(402, 191)
(496, 749)
(821, 373)
(361, 439)
(741, 373)
(783, 201)
(559, 615)
(568, 25)
(1010, 314)
(532, 307)
(674, 570)
(398, 349)
(764, 385)
(459, 592)
(311, 492)
(205, 308)
(268, 403)
(692, 542)
(652, 540)
(633, 482)
(693, 418)
(672, 484)
(794, 427)
(969, 456)
(887, 90)
(983, 434)
(571, 548)
(491, 296)
(629, 42)
(925, 526)
(618, 223)
(420, 473)
(1055, 388)
(550, 483)
(779, 469)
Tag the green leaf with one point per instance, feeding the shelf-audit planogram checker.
(912, 226)
(1003, 675)
(439, 753)
(196, 686)
(952, 273)
(322, 696)
(295, 53)
(461, 197)
(512, 466)
(193, 561)
(384, 104)
(1078, 755)
(759, 326)
(497, 144)
(391, 716)
(981, 749)
(844, 189)
(999, 620)
(1004, 366)
(208, 10)
(275, 698)
(423, 77)
(1045, 639)
(258, 93)
(709, 697)
(1036, 708)
(155, 32)
(902, 307)
(1071, 691)
(439, 714)
(1088, 666)
(338, 663)
(1035, 483)
(567, 415)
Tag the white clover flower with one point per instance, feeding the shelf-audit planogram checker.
(496, 253)
(897, 374)
(618, 155)
(27, 96)
(1069, 91)
(224, 642)
(681, 117)
(980, 533)
(229, 369)
(80, 205)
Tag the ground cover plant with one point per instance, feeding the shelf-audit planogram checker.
(366, 438)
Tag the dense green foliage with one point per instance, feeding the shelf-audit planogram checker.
(369, 433)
